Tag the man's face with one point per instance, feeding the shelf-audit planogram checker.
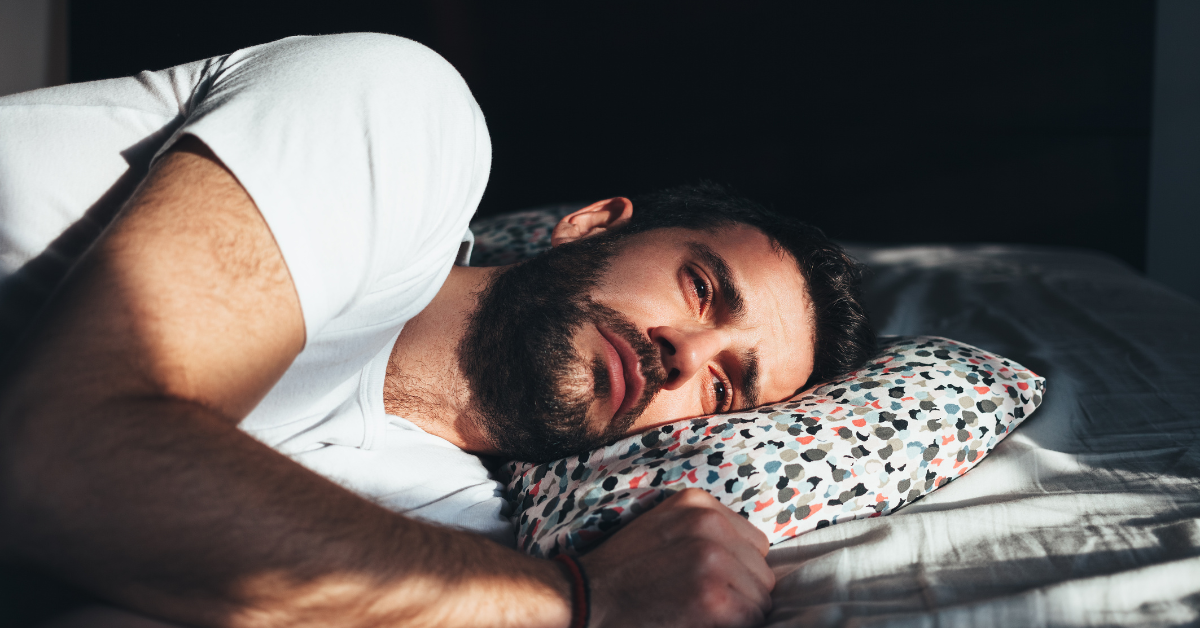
(615, 334)
(727, 314)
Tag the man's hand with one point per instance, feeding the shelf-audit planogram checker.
(690, 562)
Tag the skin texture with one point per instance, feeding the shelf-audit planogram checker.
(650, 285)
(703, 345)
(656, 283)
(122, 468)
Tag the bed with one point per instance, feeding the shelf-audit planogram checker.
(1087, 515)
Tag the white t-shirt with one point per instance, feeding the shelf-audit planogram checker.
(367, 156)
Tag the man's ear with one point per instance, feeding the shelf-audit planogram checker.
(595, 218)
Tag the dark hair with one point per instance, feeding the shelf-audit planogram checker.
(844, 339)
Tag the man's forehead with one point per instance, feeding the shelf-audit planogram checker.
(729, 240)
(764, 285)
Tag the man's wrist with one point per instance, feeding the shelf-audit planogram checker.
(581, 603)
(559, 613)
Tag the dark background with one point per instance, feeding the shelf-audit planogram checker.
(886, 122)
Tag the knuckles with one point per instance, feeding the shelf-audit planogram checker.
(691, 542)
(703, 523)
(715, 598)
(708, 557)
(717, 603)
(695, 497)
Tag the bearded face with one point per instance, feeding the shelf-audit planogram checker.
(531, 389)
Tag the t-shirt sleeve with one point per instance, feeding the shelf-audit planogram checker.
(366, 154)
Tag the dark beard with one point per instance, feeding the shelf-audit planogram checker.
(530, 390)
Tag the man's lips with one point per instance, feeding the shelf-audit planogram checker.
(624, 371)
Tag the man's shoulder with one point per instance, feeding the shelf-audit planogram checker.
(346, 62)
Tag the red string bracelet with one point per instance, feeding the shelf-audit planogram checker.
(581, 593)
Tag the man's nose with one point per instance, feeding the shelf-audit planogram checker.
(686, 352)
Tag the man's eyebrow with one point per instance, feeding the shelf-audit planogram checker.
(749, 383)
(726, 286)
(731, 294)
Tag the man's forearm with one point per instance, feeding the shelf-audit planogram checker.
(122, 467)
(170, 510)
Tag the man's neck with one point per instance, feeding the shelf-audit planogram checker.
(424, 383)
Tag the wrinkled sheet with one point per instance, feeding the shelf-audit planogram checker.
(1088, 514)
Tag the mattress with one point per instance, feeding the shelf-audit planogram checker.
(1088, 514)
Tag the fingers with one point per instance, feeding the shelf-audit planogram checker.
(702, 499)
(747, 574)
(689, 562)
(756, 568)
(723, 605)
(755, 580)
(732, 600)
(739, 610)
(711, 519)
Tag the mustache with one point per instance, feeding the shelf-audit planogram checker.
(532, 390)
(649, 360)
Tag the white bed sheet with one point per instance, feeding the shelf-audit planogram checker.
(1088, 514)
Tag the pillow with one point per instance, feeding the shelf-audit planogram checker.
(516, 236)
(920, 414)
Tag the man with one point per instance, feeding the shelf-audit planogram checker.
(281, 289)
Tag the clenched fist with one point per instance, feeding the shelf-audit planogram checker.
(690, 562)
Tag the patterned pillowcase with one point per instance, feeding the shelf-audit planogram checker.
(920, 414)
(513, 237)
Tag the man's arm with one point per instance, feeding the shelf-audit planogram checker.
(123, 468)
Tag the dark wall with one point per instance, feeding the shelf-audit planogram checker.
(938, 121)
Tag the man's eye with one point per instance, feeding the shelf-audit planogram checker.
(701, 288)
(720, 392)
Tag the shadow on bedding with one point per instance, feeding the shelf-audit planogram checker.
(1049, 560)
